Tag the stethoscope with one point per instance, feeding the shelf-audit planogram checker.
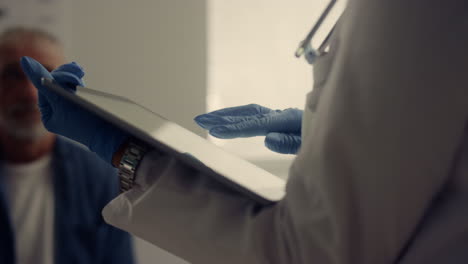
(305, 47)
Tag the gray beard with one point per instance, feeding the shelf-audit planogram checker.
(21, 130)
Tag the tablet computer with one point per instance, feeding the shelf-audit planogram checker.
(173, 139)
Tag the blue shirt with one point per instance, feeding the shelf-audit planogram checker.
(83, 185)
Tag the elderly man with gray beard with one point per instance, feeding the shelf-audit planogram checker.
(51, 189)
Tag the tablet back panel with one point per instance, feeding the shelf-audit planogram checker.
(173, 139)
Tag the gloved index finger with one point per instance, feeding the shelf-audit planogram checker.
(209, 121)
(250, 128)
(244, 110)
(288, 121)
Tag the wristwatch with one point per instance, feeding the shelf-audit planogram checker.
(129, 163)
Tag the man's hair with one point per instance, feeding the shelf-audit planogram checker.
(18, 33)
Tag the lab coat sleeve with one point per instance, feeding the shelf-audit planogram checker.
(388, 125)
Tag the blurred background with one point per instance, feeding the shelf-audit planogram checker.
(182, 58)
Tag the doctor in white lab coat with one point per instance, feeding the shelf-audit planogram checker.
(382, 173)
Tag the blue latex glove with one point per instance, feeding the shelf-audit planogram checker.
(67, 119)
(281, 128)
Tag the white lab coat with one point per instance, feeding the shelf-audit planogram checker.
(382, 175)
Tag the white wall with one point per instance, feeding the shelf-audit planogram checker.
(151, 51)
